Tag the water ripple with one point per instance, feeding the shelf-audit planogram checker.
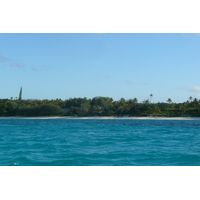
(67, 142)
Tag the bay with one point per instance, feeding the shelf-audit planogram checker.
(99, 142)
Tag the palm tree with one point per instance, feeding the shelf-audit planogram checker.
(169, 100)
(190, 98)
(135, 100)
(195, 102)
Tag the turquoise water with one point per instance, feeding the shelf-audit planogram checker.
(99, 142)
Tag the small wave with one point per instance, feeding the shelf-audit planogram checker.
(15, 164)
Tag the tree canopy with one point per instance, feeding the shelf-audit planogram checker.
(98, 106)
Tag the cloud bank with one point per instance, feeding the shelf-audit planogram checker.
(13, 64)
(195, 89)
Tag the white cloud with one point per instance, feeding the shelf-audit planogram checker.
(195, 89)
(13, 64)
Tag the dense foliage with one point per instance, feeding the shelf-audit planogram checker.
(98, 106)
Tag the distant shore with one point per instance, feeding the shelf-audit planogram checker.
(99, 117)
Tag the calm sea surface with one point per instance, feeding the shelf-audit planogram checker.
(99, 142)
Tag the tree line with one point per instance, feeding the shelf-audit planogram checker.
(98, 106)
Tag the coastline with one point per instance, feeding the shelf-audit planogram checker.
(99, 117)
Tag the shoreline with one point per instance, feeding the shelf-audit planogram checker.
(99, 117)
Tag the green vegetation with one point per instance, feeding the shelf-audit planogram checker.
(98, 106)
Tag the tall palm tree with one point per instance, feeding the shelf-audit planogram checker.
(190, 98)
(169, 100)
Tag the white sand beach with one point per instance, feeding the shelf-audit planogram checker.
(99, 117)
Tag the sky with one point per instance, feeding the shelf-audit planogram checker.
(117, 65)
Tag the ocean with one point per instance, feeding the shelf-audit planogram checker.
(99, 142)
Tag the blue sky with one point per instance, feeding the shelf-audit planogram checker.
(132, 65)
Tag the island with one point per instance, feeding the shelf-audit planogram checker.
(98, 107)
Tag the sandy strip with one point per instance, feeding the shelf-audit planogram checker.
(139, 118)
